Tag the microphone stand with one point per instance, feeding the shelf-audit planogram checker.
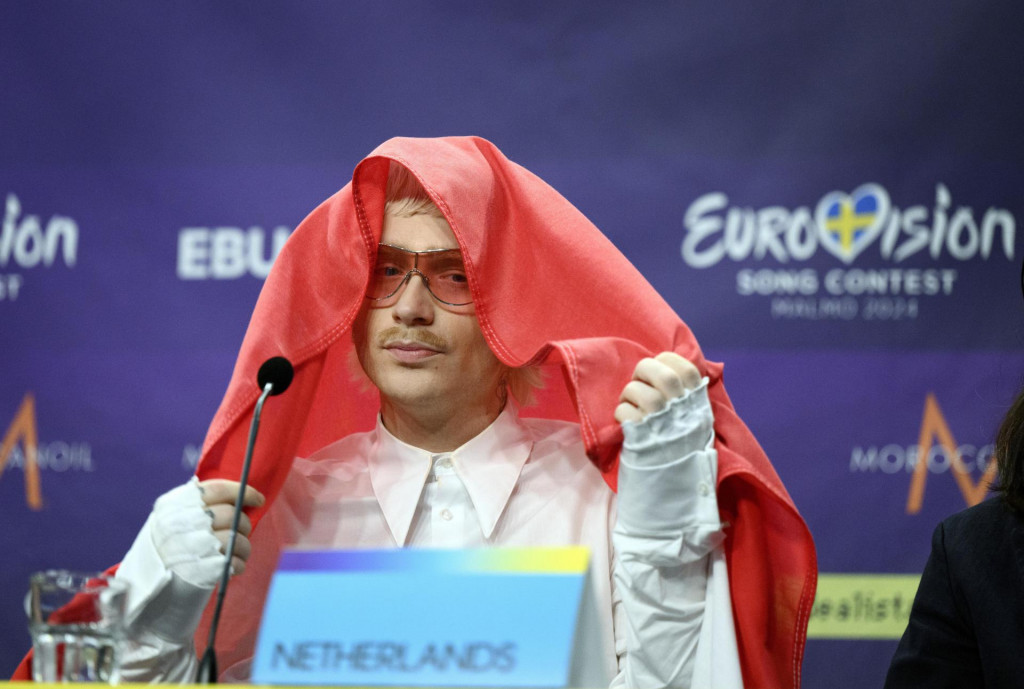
(207, 673)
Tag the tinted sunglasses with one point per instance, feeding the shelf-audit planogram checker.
(442, 272)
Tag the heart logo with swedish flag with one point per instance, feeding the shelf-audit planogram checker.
(848, 223)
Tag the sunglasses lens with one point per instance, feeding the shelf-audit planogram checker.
(386, 278)
(446, 276)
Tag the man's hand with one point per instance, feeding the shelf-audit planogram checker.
(219, 495)
(655, 382)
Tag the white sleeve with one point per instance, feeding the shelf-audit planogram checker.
(171, 570)
(672, 610)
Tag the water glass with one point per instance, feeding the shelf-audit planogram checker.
(77, 626)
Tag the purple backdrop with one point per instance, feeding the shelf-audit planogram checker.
(830, 196)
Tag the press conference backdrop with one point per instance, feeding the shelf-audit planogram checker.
(829, 195)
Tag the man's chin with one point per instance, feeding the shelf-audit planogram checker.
(412, 386)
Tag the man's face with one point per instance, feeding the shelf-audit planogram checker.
(425, 357)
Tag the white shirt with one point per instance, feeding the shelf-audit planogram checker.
(657, 573)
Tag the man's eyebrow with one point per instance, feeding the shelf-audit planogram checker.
(449, 258)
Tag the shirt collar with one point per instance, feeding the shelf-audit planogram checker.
(488, 466)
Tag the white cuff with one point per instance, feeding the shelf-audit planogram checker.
(685, 425)
(159, 601)
(182, 533)
(169, 584)
(667, 507)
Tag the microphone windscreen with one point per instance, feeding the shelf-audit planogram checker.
(277, 371)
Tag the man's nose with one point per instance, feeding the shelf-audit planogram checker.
(415, 304)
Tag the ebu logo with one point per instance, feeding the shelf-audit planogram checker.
(227, 253)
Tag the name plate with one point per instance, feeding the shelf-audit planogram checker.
(413, 617)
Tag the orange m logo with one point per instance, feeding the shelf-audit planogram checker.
(23, 428)
(934, 426)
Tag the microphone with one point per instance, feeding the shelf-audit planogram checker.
(276, 372)
(274, 377)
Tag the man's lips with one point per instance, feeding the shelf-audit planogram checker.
(410, 351)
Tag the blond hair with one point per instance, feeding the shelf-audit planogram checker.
(405, 197)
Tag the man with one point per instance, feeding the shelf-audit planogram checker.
(447, 309)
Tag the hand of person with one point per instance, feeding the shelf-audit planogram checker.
(219, 496)
(655, 382)
(191, 526)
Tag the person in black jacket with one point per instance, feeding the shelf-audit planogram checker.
(966, 627)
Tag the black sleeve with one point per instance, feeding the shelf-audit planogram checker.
(939, 648)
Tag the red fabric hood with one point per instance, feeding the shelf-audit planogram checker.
(549, 289)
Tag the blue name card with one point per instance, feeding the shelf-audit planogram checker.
(415, 617)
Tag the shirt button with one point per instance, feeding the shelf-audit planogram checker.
(444, 463)
(704, 489)
(446, 514)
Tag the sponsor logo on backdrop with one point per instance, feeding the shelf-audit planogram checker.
(27, 244)
(21, 449)
(862, 606)
(862, 223)
(228, 253)
(938, 453)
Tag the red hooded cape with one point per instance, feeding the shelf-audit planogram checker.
(549, 289)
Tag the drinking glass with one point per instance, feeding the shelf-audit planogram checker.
(77, 626)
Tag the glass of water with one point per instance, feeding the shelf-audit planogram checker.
(77, 626)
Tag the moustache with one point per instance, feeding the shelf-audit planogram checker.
(398, 333)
